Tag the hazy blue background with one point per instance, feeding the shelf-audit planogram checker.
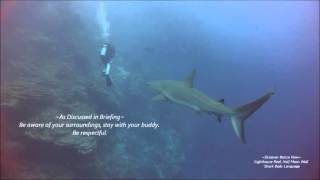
(241, 49)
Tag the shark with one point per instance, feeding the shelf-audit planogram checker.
(183, 93)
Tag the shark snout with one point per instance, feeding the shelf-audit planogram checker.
(154, 86)
(150, 84)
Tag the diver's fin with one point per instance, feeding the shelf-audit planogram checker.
(189, 79)
(159, 97)
(108, 80)
(243, 112)
(221, 101)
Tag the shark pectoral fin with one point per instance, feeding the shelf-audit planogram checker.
(221, 101)
(159, 97)
(189, 79)
(218, 117)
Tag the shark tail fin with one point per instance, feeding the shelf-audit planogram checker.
(243, 112)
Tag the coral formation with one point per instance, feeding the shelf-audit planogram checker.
(48, 67)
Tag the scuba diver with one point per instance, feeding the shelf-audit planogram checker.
(106, 54)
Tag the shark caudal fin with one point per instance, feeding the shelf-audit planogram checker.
(243, 112)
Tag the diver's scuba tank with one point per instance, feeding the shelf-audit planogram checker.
(103, 51)
(106, 53)
(107, 74)
(107, 70)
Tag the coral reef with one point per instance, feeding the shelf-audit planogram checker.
(60, 136)
(48, 67)
(133, 154)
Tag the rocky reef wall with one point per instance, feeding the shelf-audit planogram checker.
(50, 65)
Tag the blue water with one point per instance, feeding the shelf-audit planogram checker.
(241, 50)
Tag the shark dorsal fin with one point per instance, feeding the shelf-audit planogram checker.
(189, 79)
(221, 101)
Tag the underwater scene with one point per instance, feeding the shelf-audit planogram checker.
(160, 90)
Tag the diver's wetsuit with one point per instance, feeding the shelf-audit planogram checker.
(106, 55)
